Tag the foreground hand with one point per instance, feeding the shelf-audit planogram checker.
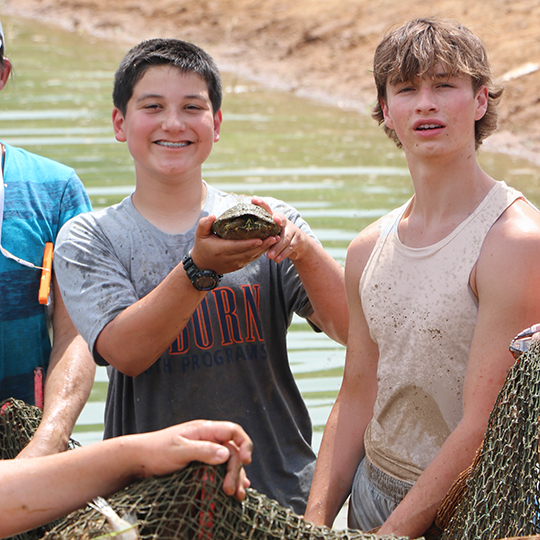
(210, 252)
(173, 448)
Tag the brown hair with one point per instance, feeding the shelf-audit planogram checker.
(416, 48)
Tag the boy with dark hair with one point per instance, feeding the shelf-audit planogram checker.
(435, 294)
(195, 325)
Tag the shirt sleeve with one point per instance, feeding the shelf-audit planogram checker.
(95, 284)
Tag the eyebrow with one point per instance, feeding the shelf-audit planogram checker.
(160, 96)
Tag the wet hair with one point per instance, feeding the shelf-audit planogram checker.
(417, 48)
(188, 58)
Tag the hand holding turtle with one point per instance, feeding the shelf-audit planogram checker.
(293, 242)
(211, 252)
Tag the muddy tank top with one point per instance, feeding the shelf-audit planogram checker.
(421, 313)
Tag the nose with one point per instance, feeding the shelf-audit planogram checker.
(426, 100)
(173, 121)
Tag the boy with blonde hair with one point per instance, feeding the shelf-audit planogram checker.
(436, 291)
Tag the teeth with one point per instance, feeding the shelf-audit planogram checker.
(172, 145)
(429, 126)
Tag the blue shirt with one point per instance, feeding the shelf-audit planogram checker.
(40, 196)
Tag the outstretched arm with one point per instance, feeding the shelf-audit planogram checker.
(68, 383)
(507, 271)
(38, 490)
(342, 446)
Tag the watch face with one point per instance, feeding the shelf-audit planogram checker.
(206, 282)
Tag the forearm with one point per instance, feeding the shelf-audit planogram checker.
(37, 491)
(342, 449)
(68, 384)
(417, 511)
(139, 335)
(324, 281)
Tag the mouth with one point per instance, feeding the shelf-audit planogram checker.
(428, 127)
(169, 144)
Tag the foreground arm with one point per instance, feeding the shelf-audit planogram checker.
(322, 276)
(36, 491)
(342, 445)
(507, 271)
(68, 383)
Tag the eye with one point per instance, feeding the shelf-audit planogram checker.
(152, 106)
(405, 89)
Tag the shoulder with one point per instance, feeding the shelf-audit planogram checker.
(362, 246)
(20, 158)
(517, 229)
(510, 255)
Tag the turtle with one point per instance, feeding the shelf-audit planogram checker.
(245, 220)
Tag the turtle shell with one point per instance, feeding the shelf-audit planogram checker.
(245, 220)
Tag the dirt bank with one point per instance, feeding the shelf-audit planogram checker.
(322, 49)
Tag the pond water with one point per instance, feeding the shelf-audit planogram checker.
(334, 165)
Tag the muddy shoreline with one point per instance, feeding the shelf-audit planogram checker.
(322, 49)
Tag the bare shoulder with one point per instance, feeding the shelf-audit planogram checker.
(361, 247)
(511, 249)
(517, 229)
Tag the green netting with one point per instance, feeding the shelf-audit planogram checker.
(18, 422)
(502, 494)
(189, 504)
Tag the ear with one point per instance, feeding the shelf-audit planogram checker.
(387, 119)
(482, 100)
(4, 73)
(118, 125)
(218, 118)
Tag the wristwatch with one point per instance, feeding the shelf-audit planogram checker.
(203, 280)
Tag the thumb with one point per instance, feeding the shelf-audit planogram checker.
(204, 227)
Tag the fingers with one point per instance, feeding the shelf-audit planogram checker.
(235, 482)
(222, 433)
(523, 340)
(219, 441)
(292, 241)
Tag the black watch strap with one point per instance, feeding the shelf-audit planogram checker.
(202, 280)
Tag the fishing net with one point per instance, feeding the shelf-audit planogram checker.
(191, 505)
(497, 497)
(500, 493)
(18, 423)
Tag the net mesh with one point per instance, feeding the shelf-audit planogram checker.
(501, 491)
(497, 497)
(18, 423)
(188, 504)
(191, 505)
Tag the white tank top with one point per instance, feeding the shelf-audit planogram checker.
(421, 313)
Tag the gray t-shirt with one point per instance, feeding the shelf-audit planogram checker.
(229, 363)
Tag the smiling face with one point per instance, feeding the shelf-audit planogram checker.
(434, 115)
(169, 125)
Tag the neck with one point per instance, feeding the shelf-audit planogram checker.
(174, 209)
(444, 196)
